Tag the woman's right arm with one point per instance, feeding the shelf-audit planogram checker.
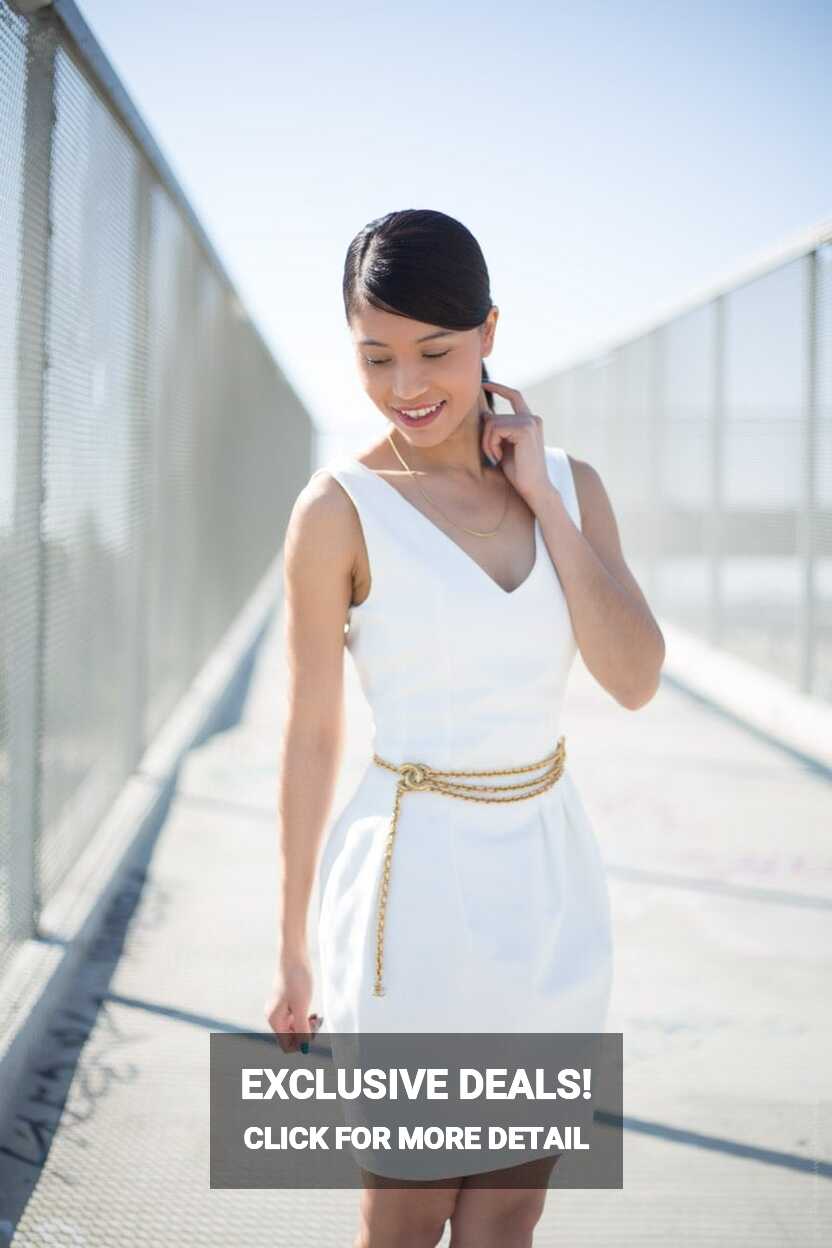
(318, 566)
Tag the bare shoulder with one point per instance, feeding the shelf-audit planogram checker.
(599, 525)
(589, 488)
(318, 556)
(323, 529)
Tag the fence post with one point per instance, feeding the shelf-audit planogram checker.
(714, 527)
(27, 572)
(140, 475)
(807, 622)
(656, 427)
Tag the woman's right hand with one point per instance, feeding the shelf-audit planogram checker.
(287, 1006)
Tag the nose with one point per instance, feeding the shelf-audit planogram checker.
(410, 385)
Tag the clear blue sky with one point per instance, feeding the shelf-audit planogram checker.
(609, 157)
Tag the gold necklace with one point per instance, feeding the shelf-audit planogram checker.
(473, 532)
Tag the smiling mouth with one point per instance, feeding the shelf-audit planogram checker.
(423, 419)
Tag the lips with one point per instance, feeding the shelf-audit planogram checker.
(419, 408)
(420, 420)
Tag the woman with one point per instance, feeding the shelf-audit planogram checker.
(469, 560)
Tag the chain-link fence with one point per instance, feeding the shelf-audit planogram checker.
(150, 449)
(712, 432)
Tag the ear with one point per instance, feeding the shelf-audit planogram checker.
(489, 328)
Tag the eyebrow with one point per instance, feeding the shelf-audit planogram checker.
(373, 342)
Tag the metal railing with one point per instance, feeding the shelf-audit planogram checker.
(150, 448)
(712, 431)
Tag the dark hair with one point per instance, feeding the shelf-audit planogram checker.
(421, 264)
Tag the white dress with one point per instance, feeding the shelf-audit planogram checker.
(497, 915)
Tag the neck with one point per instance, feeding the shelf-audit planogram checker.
(461, 452)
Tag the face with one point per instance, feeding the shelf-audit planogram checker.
(409, 365)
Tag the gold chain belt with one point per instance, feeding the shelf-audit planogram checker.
(418, 776)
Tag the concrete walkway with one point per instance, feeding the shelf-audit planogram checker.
(720, 866)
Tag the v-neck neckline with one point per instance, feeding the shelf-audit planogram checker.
(506, 593)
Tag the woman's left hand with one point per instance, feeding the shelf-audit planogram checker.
(516, 442)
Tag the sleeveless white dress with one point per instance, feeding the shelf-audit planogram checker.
(498, 915)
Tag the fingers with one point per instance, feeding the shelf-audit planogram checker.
(279, 1019)
(489, 445)
(300, 1040)
(499, 429)
(492, 439)
(301, 1029)
(514, 397)
(282, 1020)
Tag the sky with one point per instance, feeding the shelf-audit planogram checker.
(610, 158)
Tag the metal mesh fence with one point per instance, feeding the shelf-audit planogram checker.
(150, 452)
(713, 435)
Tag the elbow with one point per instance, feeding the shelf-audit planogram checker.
(635, 697)
(635, 701)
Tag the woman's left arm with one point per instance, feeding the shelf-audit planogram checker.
(619, 640)
(616, 632)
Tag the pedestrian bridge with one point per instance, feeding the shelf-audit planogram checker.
(151, 453)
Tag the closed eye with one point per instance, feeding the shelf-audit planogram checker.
(435, 356)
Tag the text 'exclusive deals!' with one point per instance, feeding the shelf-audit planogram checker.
(415, 1107)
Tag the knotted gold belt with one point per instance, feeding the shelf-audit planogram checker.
(418, 776)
